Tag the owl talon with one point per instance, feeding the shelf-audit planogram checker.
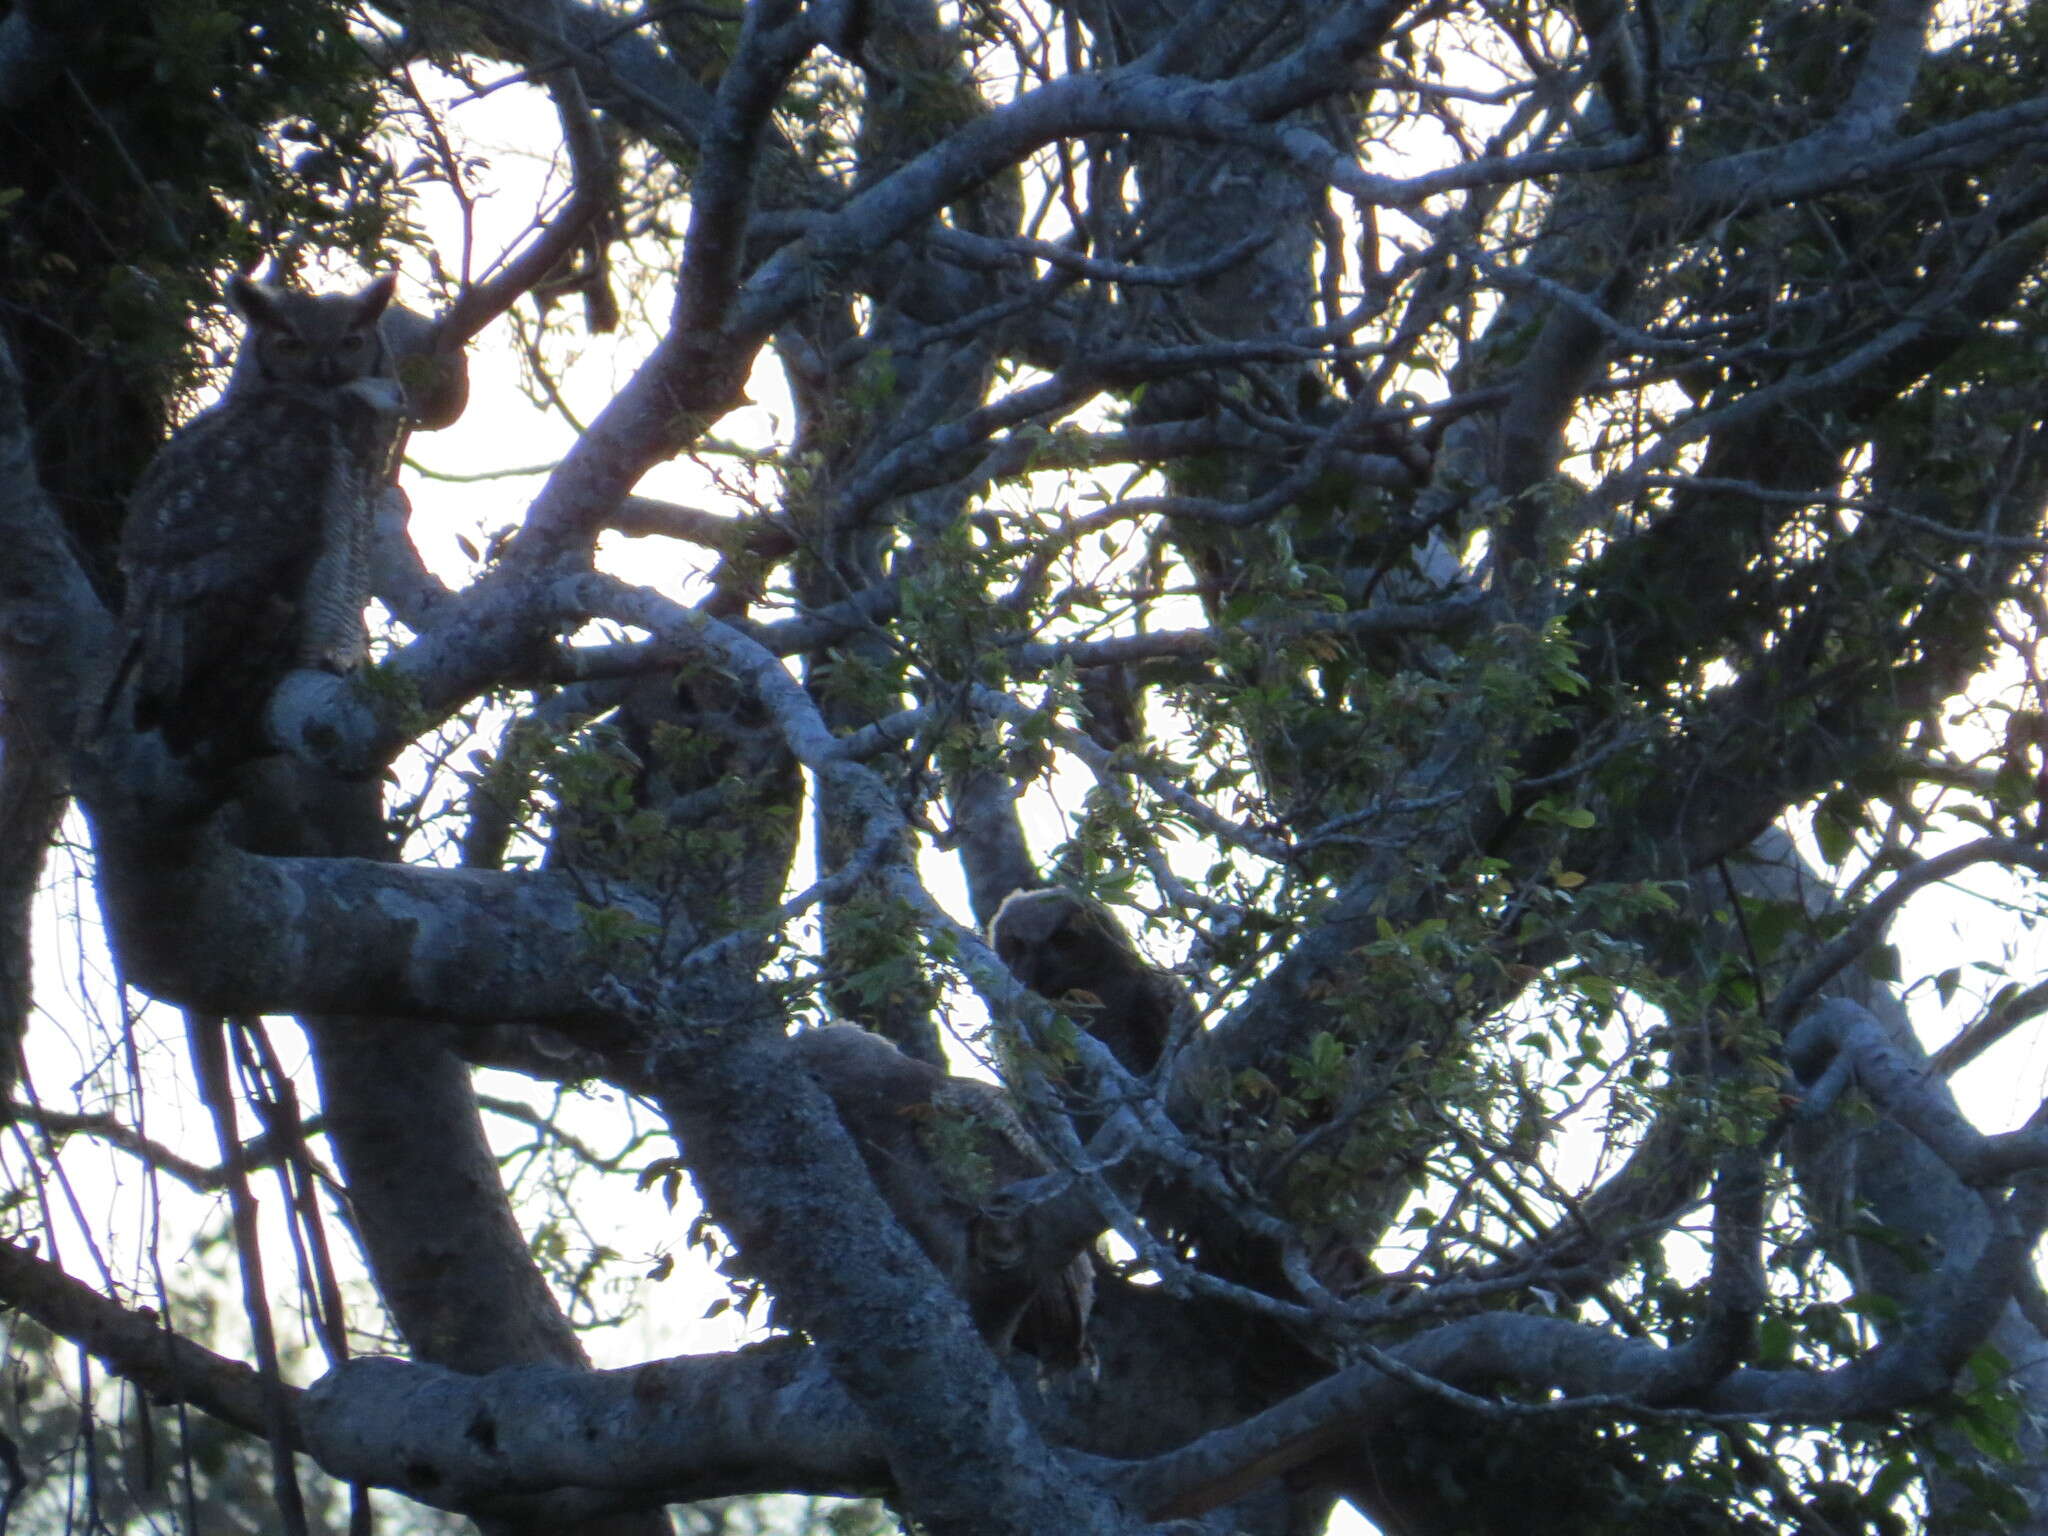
(319, 718)
(383, 395)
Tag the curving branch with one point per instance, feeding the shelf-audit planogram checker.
(134, 1343)
(1869, 924)
(1563, 1367)
(110, 1130)
(1839, 1044)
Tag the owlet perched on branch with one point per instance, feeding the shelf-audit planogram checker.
(246, 550)
(1072, 952)
(939, 1148)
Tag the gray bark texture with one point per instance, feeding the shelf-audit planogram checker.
(1254, 862)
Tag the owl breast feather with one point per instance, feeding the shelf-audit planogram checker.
(246, 555)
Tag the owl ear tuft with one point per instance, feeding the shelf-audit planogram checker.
(255, 302)
(370, 303)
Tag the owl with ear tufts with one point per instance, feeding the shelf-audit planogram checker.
(246, 550)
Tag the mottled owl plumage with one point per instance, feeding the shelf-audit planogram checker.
(939, 1148)
(246, 550)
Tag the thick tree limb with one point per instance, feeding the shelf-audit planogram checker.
(133, 1342)
(205, 925)
(691, 1428)
(785, 1180)
(1839, 1044)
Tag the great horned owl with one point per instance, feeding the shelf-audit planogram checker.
(246, 549)
(938, 1148)
(1070, 951)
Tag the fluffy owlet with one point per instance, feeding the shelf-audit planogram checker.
(1070, 951)
(246, 549)
(939, 1148)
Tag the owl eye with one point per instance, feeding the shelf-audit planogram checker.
(289, 346)
(353, 342)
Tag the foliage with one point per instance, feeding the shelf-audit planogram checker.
(1501, 544)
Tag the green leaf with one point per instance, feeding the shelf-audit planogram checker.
(1774, 1338)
